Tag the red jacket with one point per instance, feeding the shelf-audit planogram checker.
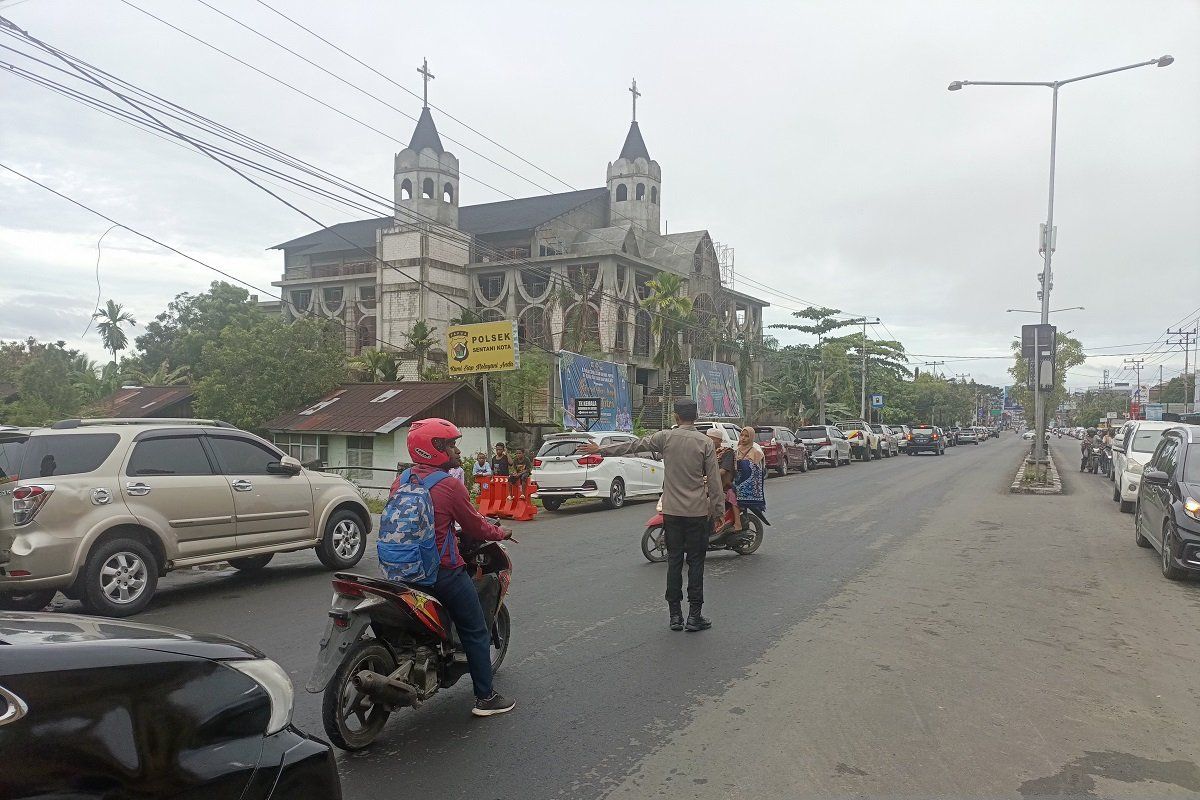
(451, 504)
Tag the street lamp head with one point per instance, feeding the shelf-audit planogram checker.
(954, 87)
(1164, 61)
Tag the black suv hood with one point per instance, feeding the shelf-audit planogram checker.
(25, 628)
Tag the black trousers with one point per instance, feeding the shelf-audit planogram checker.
(687, 540)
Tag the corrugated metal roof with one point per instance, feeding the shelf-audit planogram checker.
(362, 408)
(144, 401)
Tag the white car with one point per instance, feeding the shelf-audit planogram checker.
(729, 431)
(863, 440)
(826, 444)
(889, 445)
(560, 473)
(1118, 450)
(902, 432)
(1137, 447)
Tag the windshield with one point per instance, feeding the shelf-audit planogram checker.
(561, 447)
(764, 435)
(60, 454)
(811, 433)
(11, 448)
(852, 426)
(1144, 441)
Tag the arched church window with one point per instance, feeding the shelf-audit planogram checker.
(406, 189)
(622, 192)
(447, 193)
(654, 195)
(640, 192)
(641, 333)
(427, 189)
(621, 339)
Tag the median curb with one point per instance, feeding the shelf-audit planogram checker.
(1020, 487)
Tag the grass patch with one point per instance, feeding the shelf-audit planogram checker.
(1036, 475)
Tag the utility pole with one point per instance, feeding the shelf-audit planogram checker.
(1185, 341)
(821, 355)
(1137, 366)
(863, 401)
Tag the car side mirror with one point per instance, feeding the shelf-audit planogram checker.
(285, 466)
(1155, 477)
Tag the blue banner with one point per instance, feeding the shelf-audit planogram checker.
(716, 389)
(581, 376)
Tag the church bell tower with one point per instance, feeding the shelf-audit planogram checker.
(635, 180)
(426, 176)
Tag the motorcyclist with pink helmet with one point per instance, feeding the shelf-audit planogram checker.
(433, 447)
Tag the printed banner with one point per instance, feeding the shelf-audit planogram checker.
(716, 389)
(482, 347)
(583, 377)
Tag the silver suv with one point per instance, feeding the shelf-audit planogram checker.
(100, 509)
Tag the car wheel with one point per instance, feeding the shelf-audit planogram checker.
(782, 469)
(501, 632)
(804, 466)
(552, 503)
(616, 494)
(1169, 570)
(353, 720)
(119, 578)
(1138, 539)
(654, 544)
(34, 600)
(251, 563)
(344, 541)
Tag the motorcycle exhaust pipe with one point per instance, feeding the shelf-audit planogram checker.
(383, 689)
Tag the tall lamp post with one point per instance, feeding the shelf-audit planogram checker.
(1047, 277)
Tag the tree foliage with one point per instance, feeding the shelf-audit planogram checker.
(179, 334)
(111, 318)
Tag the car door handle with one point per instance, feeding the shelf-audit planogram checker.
(15, 707)
(137, 489)
(243, 485)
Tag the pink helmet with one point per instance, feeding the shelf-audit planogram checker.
(428, 438)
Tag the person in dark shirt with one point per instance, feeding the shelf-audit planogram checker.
(518, 482)
(501, 463)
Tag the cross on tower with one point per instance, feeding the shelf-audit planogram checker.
(427, 76)
(636, 94)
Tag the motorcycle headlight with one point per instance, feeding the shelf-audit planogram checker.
(276, 683)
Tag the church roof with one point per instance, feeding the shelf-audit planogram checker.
(425, 134)
(522, 214)
(635, 146)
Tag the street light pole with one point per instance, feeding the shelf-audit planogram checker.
(1047, 277)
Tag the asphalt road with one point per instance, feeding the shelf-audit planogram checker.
(599, 680)
(908, 628)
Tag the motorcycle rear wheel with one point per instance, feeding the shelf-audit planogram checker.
(654, 544)
(756, 528)
(351, 719)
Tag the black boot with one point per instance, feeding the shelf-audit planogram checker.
(676, 615)
(696, 622)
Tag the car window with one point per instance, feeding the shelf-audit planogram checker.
(1145, 440)
(812, 433)
(786, 436)
(242, 456)
(765, 435)
(176, 455)
(1166, 457)
(733, 431)
(11, 448)
(60, 454)
(1191, 463)
(560, 447)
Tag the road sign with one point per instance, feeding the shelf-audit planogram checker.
(876, 401)
(482, 347)
(1038, 348)
(587, 408)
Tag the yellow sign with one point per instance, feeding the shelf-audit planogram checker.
(482, 347)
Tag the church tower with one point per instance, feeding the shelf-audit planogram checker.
(635, 180)
(426, 176)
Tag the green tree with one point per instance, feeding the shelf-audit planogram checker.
(111, 319)
(46, 391)
(163, 376)
(252, 374)
(1094, 406)
(179, 334)
(522, 391)
(1068, 355)
(421, 340)
(671, 313)
(376, 366)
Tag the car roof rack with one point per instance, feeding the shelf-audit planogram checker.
(68, 424)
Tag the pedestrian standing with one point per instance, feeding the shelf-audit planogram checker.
(692, 501)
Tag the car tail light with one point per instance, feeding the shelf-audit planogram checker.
(537, 462)
(593, 460)
(908, 436)
(347, 589)
(28, 500)
(935, 436)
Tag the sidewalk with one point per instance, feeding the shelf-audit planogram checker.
(1016, 646)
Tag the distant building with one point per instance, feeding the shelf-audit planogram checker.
(571, 268)
(363, 427)
(148, 402)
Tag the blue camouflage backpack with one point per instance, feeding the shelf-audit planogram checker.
(407, 542)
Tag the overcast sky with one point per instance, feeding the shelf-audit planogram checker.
(816, 138)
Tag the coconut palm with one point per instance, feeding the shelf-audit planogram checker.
(421, 340)
(111, 318)
(376, 365)
(671, 313)
(163, 376)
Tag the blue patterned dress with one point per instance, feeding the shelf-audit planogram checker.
(750, 486)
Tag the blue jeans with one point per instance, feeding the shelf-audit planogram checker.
(456, 592)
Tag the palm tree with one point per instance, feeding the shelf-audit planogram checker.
(671, 312)
(422, 340)
(112, 317)
(376, 365)
(163, 376)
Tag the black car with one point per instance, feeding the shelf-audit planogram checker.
(1168, 502)
(93, 707)
(926, 439)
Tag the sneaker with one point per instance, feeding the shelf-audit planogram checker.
(492, 706)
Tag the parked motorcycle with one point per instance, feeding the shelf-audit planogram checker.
(743, 542)
(390, 645)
